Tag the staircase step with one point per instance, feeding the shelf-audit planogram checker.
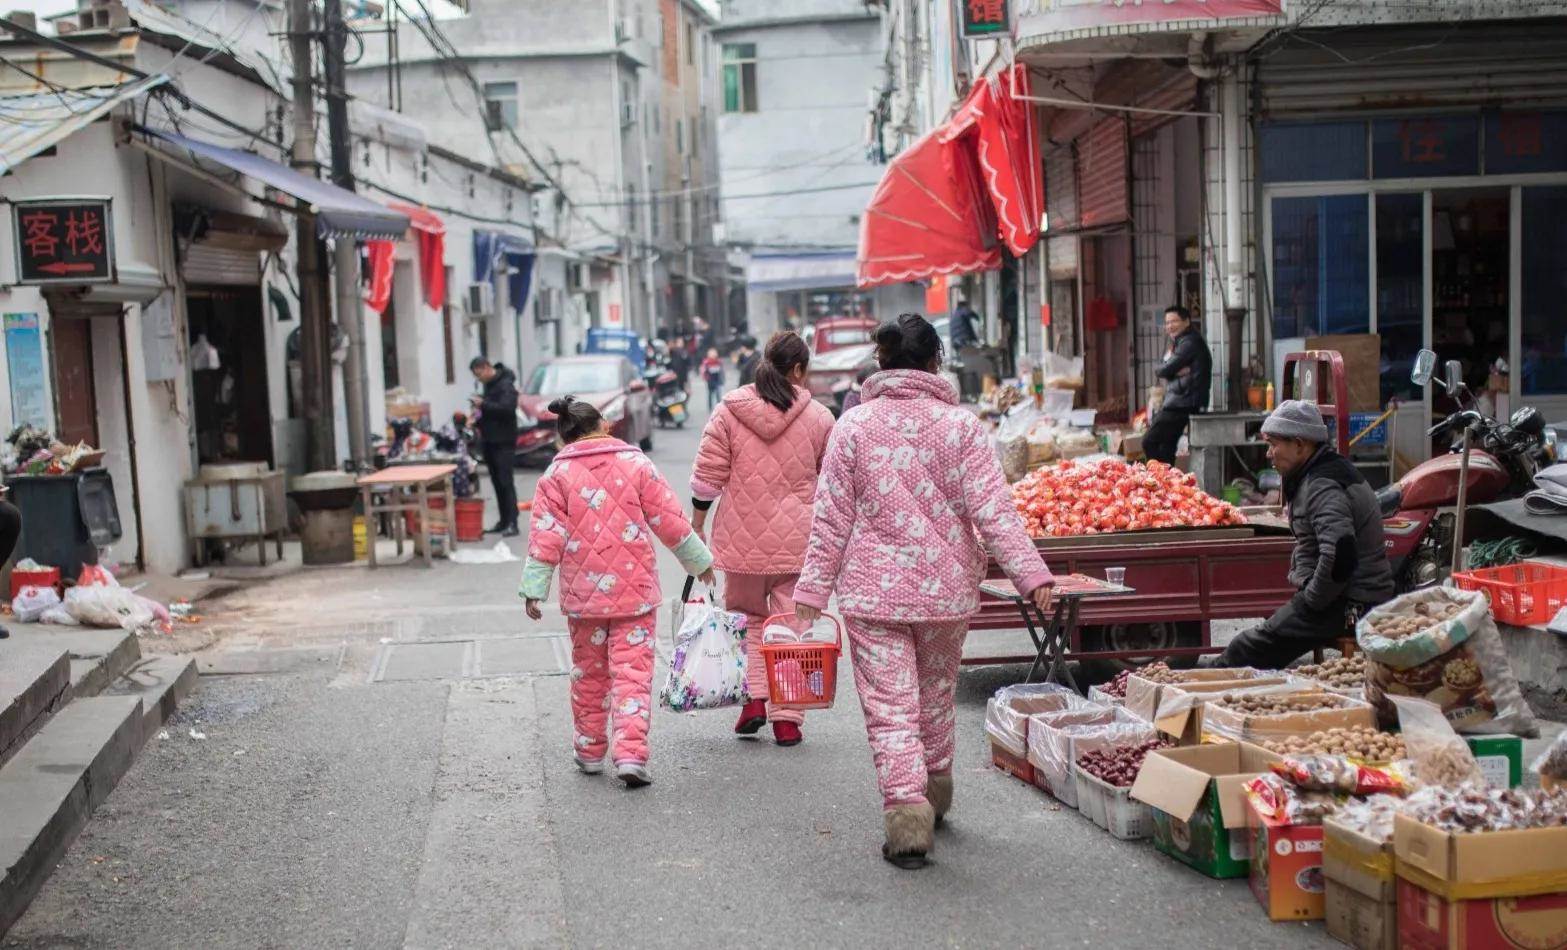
(50, 788)
(34, 679)
(97, 656)
(162, 681)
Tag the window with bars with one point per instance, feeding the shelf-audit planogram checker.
(740, 77)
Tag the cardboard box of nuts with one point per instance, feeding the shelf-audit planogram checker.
(1259, 715)
(1143, 688)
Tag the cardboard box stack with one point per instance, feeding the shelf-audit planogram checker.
(1361, 897)
(1199, 804)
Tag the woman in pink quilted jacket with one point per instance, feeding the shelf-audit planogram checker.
(595, 514)
(911, 499)
(761, 451)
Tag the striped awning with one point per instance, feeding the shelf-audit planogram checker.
(33, 122)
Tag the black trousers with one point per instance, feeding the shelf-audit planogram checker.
(10, 529)
(1164, 434)
(501, 459)
(1293, 631)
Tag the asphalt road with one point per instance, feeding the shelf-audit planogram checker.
(324, 809)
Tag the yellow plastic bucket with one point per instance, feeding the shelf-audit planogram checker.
(361, 539)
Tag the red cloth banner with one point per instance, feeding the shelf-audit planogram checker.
(380, 294)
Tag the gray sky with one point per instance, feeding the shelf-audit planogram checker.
(50, 7)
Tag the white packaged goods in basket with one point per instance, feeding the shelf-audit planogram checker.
(820, 630)
(1007, 712)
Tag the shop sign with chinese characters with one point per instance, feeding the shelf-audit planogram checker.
(64, 241)
(985, 17)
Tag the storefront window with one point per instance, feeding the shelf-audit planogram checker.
(1313, 151)
(1524, 142)
(1400, 291)
(1544, 301)
(1321, 247)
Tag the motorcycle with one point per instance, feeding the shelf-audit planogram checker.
(669, 397)
(1423, 512)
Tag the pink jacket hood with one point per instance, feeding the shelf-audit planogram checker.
(597, 512)
(763, 464)
(910, 508)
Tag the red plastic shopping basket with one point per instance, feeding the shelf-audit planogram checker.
(1521, 594)
(803, 674)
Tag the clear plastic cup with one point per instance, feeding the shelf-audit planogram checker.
(1116, 575)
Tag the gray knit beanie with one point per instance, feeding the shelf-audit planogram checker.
(1296, 419)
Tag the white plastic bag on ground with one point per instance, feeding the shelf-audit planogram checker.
(31, 601)
(109, 607)
(707, 669)
(1459, 663)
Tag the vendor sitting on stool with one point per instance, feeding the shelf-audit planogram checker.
(1340, 561)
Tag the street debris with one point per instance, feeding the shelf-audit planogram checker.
(196, 734)
(500, 554)
(163, 734)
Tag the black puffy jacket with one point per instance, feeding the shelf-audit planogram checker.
(1189, 392)
(498, 410)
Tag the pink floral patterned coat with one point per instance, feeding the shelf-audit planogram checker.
(911, 495)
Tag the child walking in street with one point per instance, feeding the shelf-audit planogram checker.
(596, 512)
(713, 375)
(911, 498)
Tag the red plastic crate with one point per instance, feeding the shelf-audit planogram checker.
(48, 577)
(1521, 594)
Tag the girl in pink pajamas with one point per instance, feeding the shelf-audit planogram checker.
(911, 497)
(595, 514)
(761, 452)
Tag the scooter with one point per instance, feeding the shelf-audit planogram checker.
(669, 397)
(1489, 461)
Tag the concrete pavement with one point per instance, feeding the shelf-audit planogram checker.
(328, 804)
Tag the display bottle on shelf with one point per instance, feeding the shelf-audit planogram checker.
(1268, 396)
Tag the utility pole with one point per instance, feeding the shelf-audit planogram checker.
(345, 256)
(315, 329)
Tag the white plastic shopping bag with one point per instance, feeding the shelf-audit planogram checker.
(707, 668)
(32, 600)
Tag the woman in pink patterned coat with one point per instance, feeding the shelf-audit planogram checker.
(910, 500)
(761, 452)
(596, 513)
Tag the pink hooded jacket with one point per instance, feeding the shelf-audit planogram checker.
(909, 479)
(593, 514)
(764, 463)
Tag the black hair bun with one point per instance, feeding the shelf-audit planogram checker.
(889, 335)
(562, 405)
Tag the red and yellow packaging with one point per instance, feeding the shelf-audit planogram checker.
(1286, 868)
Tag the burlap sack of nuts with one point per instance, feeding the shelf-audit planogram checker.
(1442, 645)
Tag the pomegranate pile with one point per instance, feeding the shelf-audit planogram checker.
(1068, 499)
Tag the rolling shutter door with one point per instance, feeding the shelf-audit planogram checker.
(1102, 174)
(206, 264)
(1061, 189)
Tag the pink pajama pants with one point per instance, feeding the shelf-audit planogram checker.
(907, 674)
(612, 686)
(760, 596)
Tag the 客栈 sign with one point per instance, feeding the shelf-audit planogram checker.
(1054, 16)
(63, 240)
(982, 18)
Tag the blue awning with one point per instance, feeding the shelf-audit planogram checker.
(492, 247)
(339, 212)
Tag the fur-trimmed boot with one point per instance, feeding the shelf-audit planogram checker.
(938, 791)
(910, 835)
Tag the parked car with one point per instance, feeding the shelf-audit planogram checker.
(610, 383)
(835, 333)
(831, 375)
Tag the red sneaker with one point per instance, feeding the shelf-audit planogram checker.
(786, 734)
(752, 718)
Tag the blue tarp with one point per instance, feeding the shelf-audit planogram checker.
(492, 246)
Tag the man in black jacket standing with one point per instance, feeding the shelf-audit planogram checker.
(1188, 372)
(498, 437)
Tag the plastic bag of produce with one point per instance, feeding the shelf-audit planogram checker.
(1442, 645)
(1012, 439)
(1436, 753)
(1007, 712)
(1050, 743)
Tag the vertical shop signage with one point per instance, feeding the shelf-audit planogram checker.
(982, 18)
(64, 241)
(24, 356)
(615, 319)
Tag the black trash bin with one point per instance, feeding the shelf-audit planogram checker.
(65, 518)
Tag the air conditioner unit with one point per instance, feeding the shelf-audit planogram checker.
(480, 300)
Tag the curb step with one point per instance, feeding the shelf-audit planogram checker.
(98, 657)
(49, 789)
(35, 679)
(161, 681)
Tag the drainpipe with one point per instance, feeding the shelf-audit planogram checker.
(1234, 253)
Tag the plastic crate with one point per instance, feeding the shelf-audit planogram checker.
(1111, 807)
(1521, 594)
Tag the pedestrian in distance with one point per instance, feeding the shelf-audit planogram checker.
(760, 453)
(497, 407)
(910, 500)
(596, 513)
(857, 391)
(680, 362)
(713, 375)
(746, 359)
(1188, 373)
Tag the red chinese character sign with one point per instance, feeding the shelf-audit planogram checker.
(1051, 16)
(985, 17)
(64, 241)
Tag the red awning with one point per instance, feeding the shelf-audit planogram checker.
(430, 231)
(1006, 141)
(929, 215)
(423, 219)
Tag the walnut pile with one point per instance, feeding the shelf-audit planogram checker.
(1355, 742)
(1275, 704)
(1423, 616)
(1345, 672)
